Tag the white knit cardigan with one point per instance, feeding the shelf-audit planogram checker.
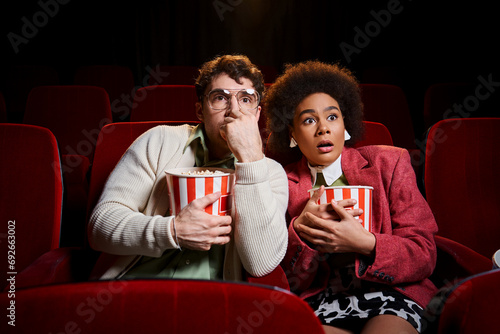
(130, 219)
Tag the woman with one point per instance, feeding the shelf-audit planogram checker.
(355, 280)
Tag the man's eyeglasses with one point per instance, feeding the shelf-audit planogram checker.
(219, 99)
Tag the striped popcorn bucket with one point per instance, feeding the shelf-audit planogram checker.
(183, 189)
(362, 194)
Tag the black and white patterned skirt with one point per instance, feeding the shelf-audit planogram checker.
(349, 302)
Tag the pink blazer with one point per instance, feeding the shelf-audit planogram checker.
(403, 224)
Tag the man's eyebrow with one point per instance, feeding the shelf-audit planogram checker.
(312, 111)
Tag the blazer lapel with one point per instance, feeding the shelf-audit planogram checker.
(357, 169)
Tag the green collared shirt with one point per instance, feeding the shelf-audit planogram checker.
(188, 263)
(202, 155)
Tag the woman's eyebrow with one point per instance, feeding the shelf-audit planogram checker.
(312, 111)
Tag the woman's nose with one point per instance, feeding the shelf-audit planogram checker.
(323, 128)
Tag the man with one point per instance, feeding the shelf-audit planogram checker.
(130, 223)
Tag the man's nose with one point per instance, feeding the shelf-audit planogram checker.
(233, 104)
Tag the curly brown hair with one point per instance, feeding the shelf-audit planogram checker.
(301, 80)
(235, 66)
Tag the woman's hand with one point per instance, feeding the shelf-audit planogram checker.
(341, 235)
(324, 211)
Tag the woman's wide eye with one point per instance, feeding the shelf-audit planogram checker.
(332, 117)
(309, 120)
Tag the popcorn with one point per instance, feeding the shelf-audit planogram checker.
(203, 172)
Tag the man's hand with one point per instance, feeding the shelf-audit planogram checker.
(199, 230)
(241, 131)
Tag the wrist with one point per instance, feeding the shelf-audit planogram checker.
(368, 246)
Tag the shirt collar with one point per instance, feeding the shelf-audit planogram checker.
(200, 149)
(331, 172)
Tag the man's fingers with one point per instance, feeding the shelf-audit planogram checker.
(205, 201)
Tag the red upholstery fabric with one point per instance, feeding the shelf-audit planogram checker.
(456, 262)
(118, 81)
(375, 134)
(442, 96)
(470, 307)
(159, 306)
(164, 103)
(387, 104)
(61, 265)
(173, 75)
(462, 181)
(74, 114)
(30, 194)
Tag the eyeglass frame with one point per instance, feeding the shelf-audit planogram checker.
(230, 91)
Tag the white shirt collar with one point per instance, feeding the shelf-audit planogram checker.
(331, 172)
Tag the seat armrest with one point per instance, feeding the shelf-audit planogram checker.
(61, 265)
(276, 278)
(456, 261)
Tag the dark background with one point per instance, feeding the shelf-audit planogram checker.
(425, 42)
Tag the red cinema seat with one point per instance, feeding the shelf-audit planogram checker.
(462, 181)
(470, 306)
(75, 115)
(30, 196)
(375, 134)
(118, 81)
(440, 98)
(164, 103)
(387, 104)
(158, 306)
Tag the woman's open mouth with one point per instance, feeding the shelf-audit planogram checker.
(325, 146)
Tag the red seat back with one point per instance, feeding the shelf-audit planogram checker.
(158, 306)
(440, 98)
(74, 114)
(118, 81)
(30, 195)
(387, 104)
(469, 307)
(375, 134)
(164, 103)
(462, 181)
